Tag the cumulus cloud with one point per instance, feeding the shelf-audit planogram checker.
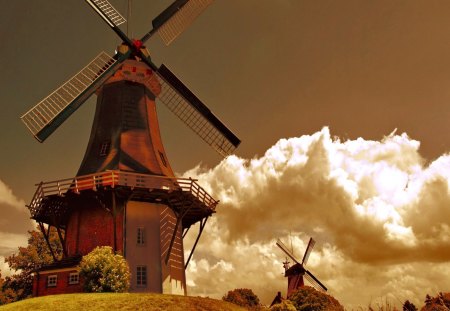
(8, 198)
(4, 268)
(379, 215)
(14, 223)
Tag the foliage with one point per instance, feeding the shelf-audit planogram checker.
(35, 255)
(118, 301)
(409, 306)
(104, 271)
(387, 306)
(440, 302)
(243, 297)
(285, 305)
(307, 298)
(7, 295)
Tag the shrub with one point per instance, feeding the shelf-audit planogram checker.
(285, 305)
(243, 297)
(307, 298)
(103, 271)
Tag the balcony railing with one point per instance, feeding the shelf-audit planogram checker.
(125, 179)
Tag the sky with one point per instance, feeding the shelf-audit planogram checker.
(342, 109)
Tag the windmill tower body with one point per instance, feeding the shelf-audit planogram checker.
(125, 194)
(125, 137)
(295, 278)
(125, 134)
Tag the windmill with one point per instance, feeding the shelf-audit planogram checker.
(296, 272)
(125, 194)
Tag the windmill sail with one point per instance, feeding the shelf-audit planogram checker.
(177, 17)
(314, 281)
(189, 109)
(311, 244)
(285, 249)
(107, 12)
(44, 118)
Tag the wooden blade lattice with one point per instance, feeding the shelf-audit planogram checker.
(107, 12)
(181, 20)
(189, 109)
(314, 281)
(49, 113)
(286, 250)
(311, 244)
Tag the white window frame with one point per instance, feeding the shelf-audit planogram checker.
(141, 276)
(74, 278)
(140, 236)
(52, 280)
(105, 148)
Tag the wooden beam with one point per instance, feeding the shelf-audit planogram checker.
(179, 218)
(62, 241)
(46, 236)
(202, 226)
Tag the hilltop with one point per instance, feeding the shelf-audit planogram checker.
(125, 301)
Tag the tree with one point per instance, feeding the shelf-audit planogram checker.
(243, 297)
(28, 259)
(307, 298)
(103, 271)
(7, 294)
(409, 306)
(440, 302)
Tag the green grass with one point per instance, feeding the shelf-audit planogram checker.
(111, 302)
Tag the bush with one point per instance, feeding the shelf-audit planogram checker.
(243, 297)
(307, 298)
(102, 271)
(285, 305)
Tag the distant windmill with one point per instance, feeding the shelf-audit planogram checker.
(125, 194)
(296, 272)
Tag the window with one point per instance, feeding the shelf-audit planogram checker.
(52, 280)
(141, 276)
(140, 236)
(74, 278)
(163, 159)
(104, 148)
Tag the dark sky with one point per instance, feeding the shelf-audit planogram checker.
(269, 69)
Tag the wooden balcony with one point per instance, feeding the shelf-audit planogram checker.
(54, 200)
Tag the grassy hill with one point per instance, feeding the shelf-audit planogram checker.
(110, 302)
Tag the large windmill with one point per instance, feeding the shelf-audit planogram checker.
(296, 273)
(125, 194)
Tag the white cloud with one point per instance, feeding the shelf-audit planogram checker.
(7, 197)
(8, 245)
(377, 211)
(4, 268)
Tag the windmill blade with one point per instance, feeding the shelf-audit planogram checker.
(107, 12)
(44, 118)
(176, 18)
(287, 252)
(315, 282)
(311, 244)
(189, 109)
(111, 16)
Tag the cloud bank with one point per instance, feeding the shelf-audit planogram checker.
(14, 223)
(379, 214)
